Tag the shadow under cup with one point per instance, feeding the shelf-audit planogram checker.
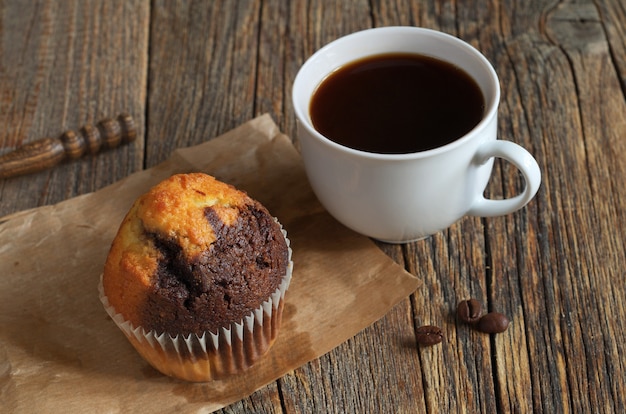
(403, 197)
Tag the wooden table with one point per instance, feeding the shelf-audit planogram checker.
(191, 70)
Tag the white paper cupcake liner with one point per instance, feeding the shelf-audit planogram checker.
(210, 356)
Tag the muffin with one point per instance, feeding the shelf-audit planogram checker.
(196, 278)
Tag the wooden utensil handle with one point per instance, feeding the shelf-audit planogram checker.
(48, 152)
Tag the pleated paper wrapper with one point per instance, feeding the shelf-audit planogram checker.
(199, 358)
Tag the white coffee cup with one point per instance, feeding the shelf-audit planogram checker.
(398, 198)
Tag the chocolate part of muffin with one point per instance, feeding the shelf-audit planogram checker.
(243, 267)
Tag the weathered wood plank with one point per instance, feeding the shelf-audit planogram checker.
(561, 258)
(612, 14)
(597, 258)
(202, 72)
(63, 65)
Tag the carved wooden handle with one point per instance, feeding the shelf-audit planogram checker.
(48, 152)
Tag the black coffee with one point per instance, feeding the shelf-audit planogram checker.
(396, 104)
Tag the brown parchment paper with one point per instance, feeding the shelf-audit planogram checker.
(59, 351)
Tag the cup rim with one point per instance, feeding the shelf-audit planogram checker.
(492, 105)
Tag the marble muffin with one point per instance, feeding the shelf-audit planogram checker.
(196, 277)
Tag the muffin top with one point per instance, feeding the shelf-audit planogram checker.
(193, 254)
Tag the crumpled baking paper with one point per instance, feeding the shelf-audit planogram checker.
(60, 352)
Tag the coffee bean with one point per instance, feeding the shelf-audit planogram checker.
(492, 322)
(469, 311)
(429, 335)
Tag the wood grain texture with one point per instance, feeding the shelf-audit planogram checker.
(64, 64)
(202, 72)
(191, 70)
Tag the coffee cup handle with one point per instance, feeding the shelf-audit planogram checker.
(520, 158)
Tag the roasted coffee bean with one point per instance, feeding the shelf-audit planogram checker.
(492, 322)
(429, 335)
(469, 311)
